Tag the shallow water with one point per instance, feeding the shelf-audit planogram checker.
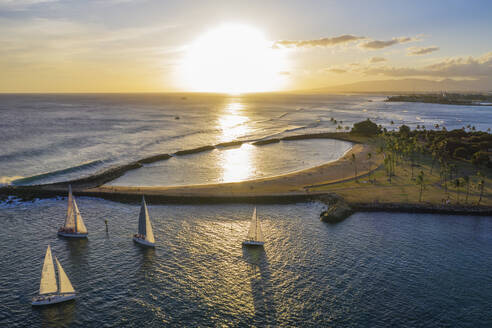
(372, 270)
(236, 163)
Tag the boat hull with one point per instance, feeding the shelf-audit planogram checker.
(143, 242)
(253, 243)
(48, 300)
(72, 235)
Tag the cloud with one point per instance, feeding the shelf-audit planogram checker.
(460, 67)
(336, 70)
(374, 60)
(378, 44)
(323, 42)
(418, 51)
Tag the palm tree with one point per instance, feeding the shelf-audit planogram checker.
(352, 159)
(369, 155)
(412, 146)
(481, 185)
(457, 185)
(420, 182)
(387, 165)
(466, 179)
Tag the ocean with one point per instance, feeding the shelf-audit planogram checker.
(371, 270)
(49, 138)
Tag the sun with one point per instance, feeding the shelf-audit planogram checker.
(233, 59)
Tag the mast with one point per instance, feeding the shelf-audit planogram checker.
(75, 214)
(256, 221)
(70, 219)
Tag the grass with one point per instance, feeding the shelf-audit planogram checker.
(404, 189)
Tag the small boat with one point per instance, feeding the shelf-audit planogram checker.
(145, 236)
(52, 291)
(255, 236)
(74, 226)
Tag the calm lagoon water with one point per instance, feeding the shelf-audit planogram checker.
(372, 270)
(234, 164)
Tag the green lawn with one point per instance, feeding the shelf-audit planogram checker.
(404, 189)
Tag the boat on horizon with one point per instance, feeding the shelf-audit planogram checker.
(255, 235)
(74, 226)
(51, 290)
(145, 235)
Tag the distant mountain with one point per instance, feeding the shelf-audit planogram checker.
(411, 85)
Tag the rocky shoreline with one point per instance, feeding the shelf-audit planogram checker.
(338, 210)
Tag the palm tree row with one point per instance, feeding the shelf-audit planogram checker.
(410, 146)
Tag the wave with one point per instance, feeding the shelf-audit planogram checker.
(24, 180)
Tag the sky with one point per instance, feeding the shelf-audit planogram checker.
(238, 46)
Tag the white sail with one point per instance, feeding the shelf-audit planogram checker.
(48, 279)
(149, 234)
(254, 232)
(259, 233)
(144, 225)
(63, 281)
(252, 227)
(79, 223)
(70, 220)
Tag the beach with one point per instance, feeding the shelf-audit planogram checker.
(292, 183)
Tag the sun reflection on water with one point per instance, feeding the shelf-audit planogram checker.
(237, 164)
(233, 122)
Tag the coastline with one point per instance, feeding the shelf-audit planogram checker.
(313, 184)
(444, 99)
(290, 184)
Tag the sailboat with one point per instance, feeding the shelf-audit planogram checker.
(74, 225)
(255, 236)
(145, 236)
(51, 290)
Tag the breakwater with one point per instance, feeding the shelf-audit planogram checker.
(107, 175)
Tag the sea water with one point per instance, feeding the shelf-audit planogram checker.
(48, 138)
(371, 270)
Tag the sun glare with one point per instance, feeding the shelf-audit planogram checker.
(233, 59)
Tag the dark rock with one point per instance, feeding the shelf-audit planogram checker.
(154, 158)
(229, 144)
(194, 150)
(266, 142)
(337, 211)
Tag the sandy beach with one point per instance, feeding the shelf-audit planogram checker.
(292, 183)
